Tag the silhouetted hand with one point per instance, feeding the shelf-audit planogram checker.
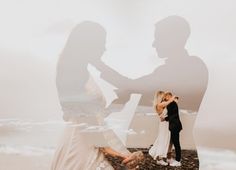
(133, 159)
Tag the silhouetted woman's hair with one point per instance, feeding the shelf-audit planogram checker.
(85, 43)
(85, 36)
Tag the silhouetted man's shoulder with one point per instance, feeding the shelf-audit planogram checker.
(197, 61)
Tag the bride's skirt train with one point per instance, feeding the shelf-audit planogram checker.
(161, 144)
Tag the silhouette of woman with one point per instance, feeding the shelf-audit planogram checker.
(81, 106)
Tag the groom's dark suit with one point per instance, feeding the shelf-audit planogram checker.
(175, 127)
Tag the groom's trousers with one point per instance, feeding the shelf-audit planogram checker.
(175, 140)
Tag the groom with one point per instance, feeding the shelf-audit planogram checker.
(175, 127)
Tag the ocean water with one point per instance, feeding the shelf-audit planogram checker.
(30, 145)
(22, 136)
(29, 137)
(216, 158)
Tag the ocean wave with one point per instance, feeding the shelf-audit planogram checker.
(16, 125)
(18, 122)
(26, 150)
(217, 159)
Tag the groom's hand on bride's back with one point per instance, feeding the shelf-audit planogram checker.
(162, 119)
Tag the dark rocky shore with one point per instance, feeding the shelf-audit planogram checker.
(189, 161)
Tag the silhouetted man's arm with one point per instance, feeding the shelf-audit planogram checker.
(111, 75)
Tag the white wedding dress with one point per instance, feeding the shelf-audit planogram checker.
(75, 152)
(82, 111)
(78, 149)
(161, 144)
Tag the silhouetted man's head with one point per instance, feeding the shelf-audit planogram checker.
(171, 35)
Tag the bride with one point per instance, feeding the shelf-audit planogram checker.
(162, 146)
(83, 107)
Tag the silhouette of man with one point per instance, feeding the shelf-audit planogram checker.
(184, 75)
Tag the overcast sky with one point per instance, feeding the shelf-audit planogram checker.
(34, 32)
